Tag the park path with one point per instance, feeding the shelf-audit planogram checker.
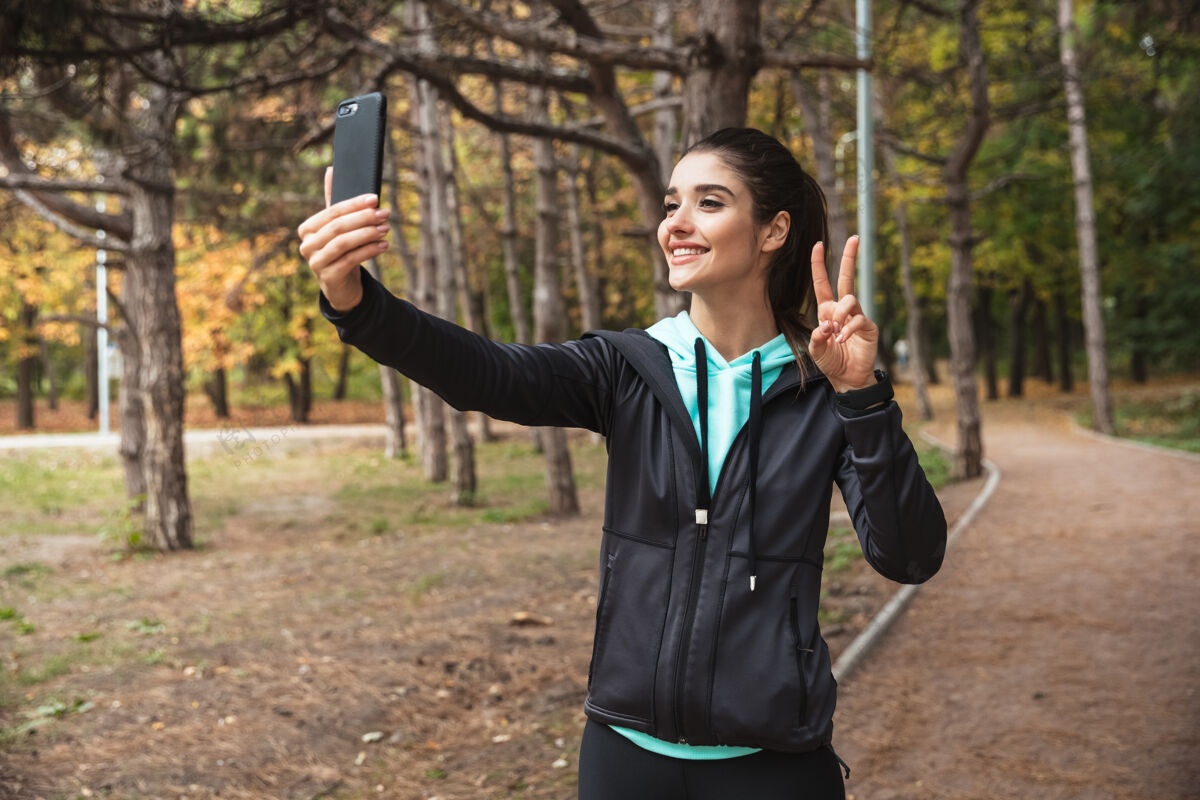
(1056, 654)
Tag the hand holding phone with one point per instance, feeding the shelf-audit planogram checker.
(352, 227)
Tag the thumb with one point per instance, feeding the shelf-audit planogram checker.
(328, 185)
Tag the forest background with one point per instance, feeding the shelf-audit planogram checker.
(528, 147)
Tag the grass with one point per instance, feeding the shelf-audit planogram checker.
(1171, 420)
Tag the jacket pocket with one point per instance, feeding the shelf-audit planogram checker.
(802, 655)
(630, 615)
(759, 695)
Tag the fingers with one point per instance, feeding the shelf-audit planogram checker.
(822, 291)
(328, 185)
(342, 239)
(846, 272)
(318, 220)
(856, 324)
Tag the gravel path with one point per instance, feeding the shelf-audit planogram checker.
(1055, 655)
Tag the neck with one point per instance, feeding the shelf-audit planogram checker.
(734, 327)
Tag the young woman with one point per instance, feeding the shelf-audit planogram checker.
(726, 427)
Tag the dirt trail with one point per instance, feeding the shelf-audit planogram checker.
(1055, 655)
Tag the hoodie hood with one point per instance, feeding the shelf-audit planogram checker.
(728, 382)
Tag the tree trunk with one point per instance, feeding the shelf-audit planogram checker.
(958, 294)
(589, 293)
(665, 124)
(395, 442)
(1042, 364)
(217, 390)
(91, 372)
(926, 345)
(984, 335)
(437, 228)
(1085, 224)
(548, 307)
(27, 368)
(817, 108)
(1019, 303)
(717, 88)
(470, 301)
(48, 372)
(914, 332)
(132, 420)
(343, 374)
(509, 237)
(431, 415)
(1066, 379)
(157, 325)
(300, 392)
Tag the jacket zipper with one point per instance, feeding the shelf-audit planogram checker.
(694, 588)
(698, 559)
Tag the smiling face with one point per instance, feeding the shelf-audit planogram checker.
(709, 236)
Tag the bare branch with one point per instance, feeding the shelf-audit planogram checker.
(790, 61)
(81, 319)
(592, 49)
(1004, 180)
(428, 70)
(40, 184)
(85, 236)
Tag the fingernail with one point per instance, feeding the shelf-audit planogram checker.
(382, 213)
(841, 337)
(382, 228)
(836, 326)
(370, 199)
(382, 245)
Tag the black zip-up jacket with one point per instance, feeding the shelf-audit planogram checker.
(686, 649)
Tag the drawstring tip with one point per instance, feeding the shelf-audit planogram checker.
(753, 580)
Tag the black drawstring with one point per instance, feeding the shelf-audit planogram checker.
(702, 496)
(755, 435)
(755, 432)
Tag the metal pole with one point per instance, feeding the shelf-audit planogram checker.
(866, 165)
(102, 332)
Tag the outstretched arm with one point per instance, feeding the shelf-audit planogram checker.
(550, 384)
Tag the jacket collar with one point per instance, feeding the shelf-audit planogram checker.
(650, 359)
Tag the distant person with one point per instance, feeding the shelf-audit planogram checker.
(902, 353)
(726, 429)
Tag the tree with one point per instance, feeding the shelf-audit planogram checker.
(1085, 224)
(119, 78)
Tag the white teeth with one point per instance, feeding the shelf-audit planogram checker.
(688, 251)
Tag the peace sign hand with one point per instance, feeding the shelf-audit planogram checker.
(845, 341)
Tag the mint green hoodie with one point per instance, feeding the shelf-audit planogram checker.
(728, 411)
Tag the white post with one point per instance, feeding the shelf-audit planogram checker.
(866, 166)
(102, 332)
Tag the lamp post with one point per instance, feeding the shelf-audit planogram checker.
(866, 165)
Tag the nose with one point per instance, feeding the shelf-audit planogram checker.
(680, 221)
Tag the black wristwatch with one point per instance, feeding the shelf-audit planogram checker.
(862, 399)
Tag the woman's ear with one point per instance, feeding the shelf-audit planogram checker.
(776, 232)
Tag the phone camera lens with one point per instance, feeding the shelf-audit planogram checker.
(347, 110)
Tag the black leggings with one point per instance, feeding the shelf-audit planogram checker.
(613, 768)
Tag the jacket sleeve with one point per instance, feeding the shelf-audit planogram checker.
(897, 516)
(566, 384)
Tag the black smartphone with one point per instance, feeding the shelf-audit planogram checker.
(358, 132)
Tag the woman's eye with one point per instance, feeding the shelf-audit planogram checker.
(669, 207)
(710, 202)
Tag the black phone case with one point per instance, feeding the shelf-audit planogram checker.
(358, 132)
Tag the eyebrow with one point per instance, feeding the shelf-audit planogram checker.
(704, 188)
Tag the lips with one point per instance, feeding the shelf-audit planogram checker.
(683, 252)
